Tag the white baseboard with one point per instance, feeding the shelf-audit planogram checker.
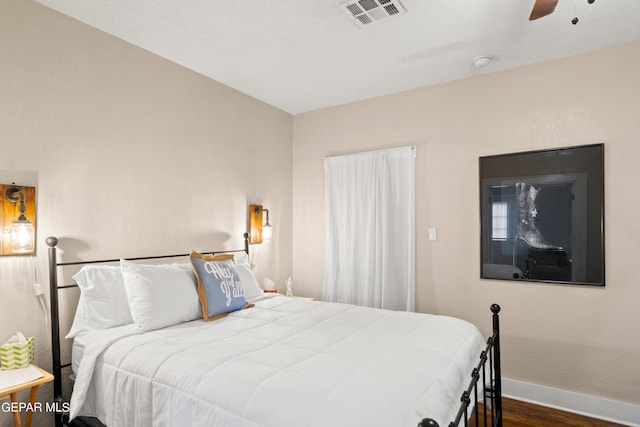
(594, 407)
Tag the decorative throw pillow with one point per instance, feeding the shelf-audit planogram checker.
(219, 286)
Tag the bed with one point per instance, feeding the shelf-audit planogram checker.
(278, 362)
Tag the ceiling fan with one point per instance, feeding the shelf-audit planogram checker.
(542, 8)
(546, 7)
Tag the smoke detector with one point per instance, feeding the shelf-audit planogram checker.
(366, 12)
(482, 61)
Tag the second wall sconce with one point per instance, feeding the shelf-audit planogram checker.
(18, 231)
(259, 232)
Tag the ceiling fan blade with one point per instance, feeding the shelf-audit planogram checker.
(542, 8)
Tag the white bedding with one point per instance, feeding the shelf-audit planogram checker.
(77, 349)
(284, 362)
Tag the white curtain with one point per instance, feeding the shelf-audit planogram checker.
(370, 229)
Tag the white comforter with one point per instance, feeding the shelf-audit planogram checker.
(285, 362)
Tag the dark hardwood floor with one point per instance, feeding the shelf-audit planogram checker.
(522, 414)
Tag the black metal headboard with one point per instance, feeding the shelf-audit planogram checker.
(52, 242)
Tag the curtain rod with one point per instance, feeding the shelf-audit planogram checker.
(414, 148)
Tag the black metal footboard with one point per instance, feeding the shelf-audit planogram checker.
(486, 411)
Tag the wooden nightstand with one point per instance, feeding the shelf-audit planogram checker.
(33, 385)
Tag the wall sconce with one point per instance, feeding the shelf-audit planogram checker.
(20, 238)
(259, 232)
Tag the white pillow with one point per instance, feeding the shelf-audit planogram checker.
(103, 300)
(249, 283)
(160, 295)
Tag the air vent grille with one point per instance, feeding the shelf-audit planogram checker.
(367, 12)
(391, 9)
(354, 9)
(364, 19)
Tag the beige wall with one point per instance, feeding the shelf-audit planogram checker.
(131, 155)
(581, 339)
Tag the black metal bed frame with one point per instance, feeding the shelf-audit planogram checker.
(491, 386)
(54, 287)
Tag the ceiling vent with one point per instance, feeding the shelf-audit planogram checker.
(367, 12)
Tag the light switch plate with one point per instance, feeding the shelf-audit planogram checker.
(433, 235)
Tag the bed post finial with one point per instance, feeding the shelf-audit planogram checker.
(52, 241)
(495, 308)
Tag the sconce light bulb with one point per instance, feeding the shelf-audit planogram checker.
(22, 237)
(267, 232)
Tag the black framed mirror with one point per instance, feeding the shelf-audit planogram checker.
(542, 216)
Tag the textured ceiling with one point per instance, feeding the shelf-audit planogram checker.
(301, 55)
